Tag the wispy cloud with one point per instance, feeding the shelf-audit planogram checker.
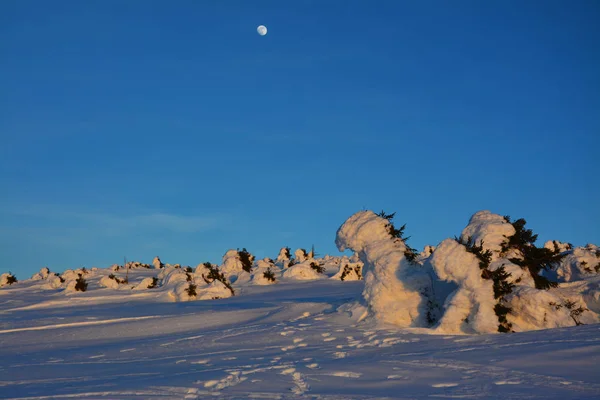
(108, 224)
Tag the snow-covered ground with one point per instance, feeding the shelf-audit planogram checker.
(288, 340)
(420, 325)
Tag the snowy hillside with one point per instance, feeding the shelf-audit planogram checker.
(386, 322)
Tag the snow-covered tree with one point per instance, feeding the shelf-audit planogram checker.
(396, 290)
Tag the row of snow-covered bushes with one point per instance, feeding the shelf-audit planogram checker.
(206, 281)
(493, 278)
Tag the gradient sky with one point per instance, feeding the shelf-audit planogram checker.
(141, 128)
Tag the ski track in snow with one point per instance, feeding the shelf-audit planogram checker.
(290, 350)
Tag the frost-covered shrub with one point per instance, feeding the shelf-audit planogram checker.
(109, 282)
(216, 290)
(214, 275)
(208, 283)
(350, 272)
(146, 283)
(152, 284)
(302, 271)
(156, 263)
(579, 263)
(301, 255)
(231, 265)
(427, 252)
(112, 281)
(396, 289)
(503, 280)
(136, 265)
(42, 275)
(265, 272)
(558, 247)
(69, 275)
(284, 257)
(575, 310)
(53, 281)
(317, 267)
(120, 281)
(528, 256)
(545, 309)
(7, 279)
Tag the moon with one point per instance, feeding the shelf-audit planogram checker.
(262, 30)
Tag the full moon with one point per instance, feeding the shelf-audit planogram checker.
(262, 30)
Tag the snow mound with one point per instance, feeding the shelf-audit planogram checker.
(109, 283)
(70, 275)
(232, 265)
(534, 309)
(396, 291)
(52, 282)
(284, 257)
(146, 283)
(264, 269)
(303, 271)
(171, 275)
(189, 291)
(70, 287)
(490, 229)
(43, 274)
(300, 255)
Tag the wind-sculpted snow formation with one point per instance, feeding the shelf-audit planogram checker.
(397, 291)
(501, 281)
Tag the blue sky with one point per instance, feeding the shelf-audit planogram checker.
(146, 128)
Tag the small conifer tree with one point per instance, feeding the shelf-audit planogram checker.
(269, 275)
(214, 274)
(80, 284)
(534, 259)
(246, 259)
(10, 279)
(410, 253)
(191, 290)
